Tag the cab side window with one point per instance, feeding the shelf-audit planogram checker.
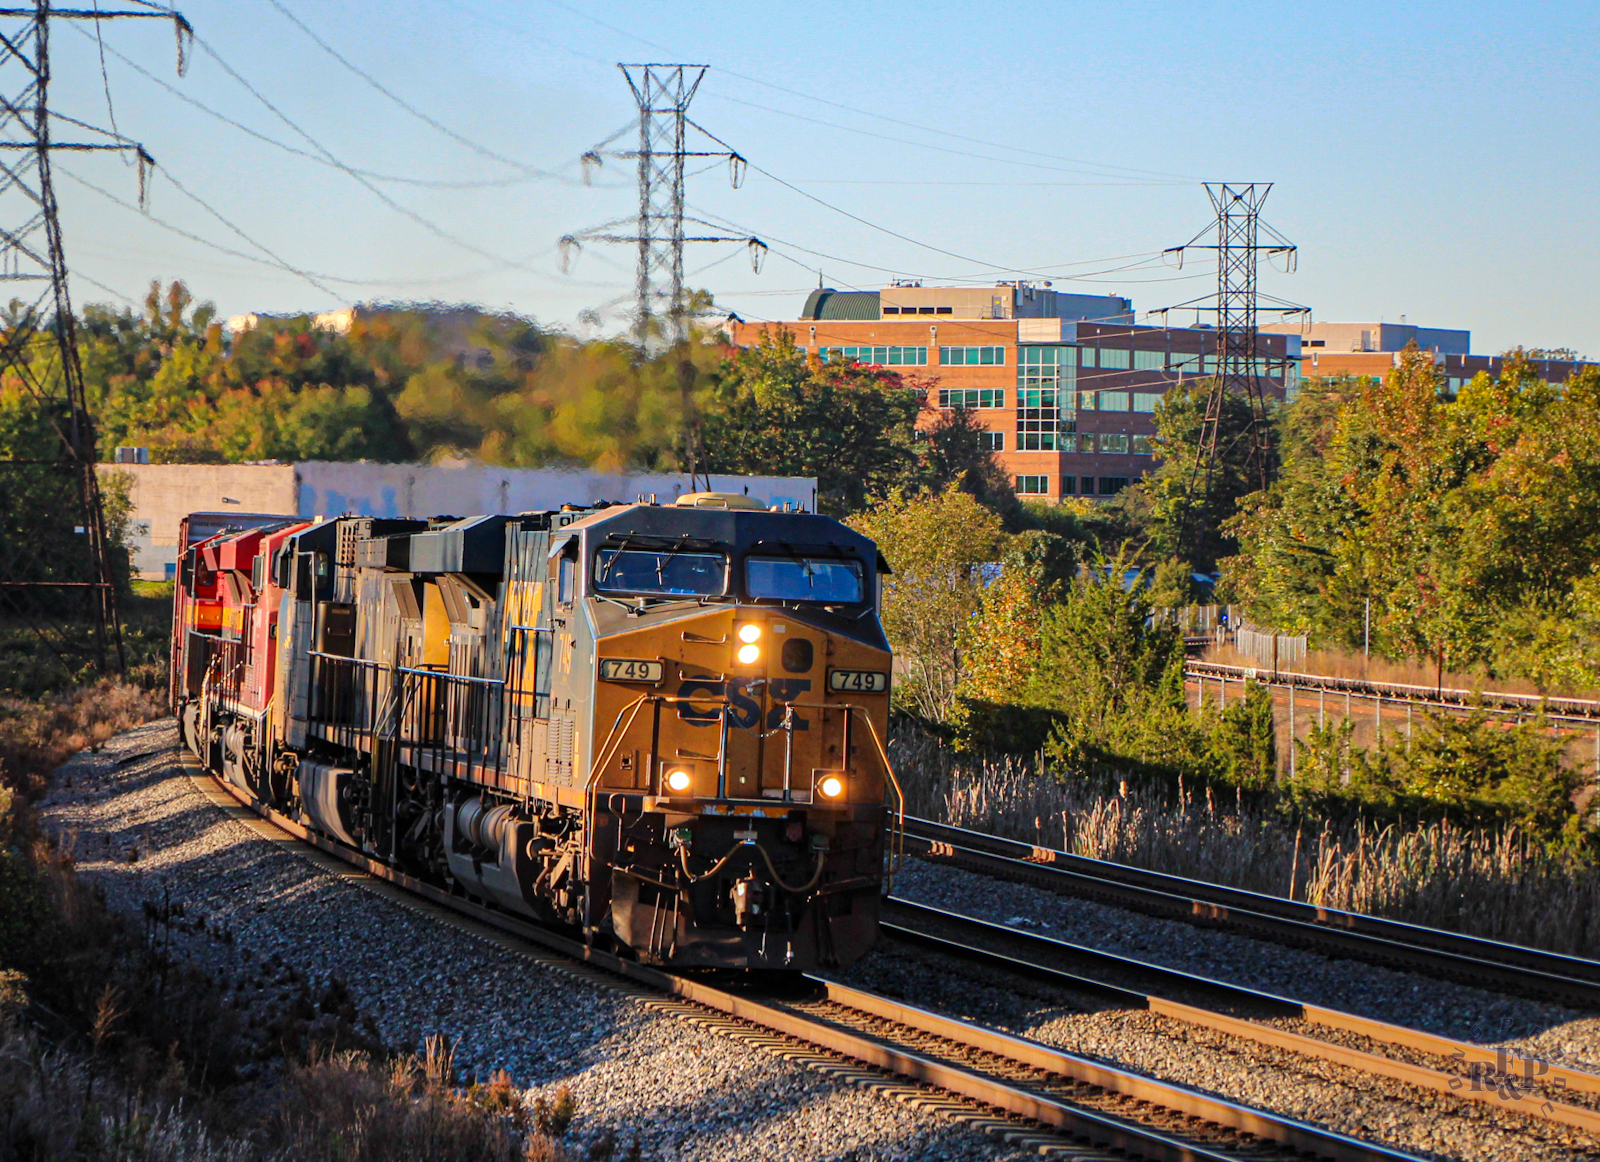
(567, 575)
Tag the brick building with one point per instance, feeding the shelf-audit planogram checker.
(1065, 386)
(1372, 349)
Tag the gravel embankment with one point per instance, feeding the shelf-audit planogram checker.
(1343, 1099)
(263, 919)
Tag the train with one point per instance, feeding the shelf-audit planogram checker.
(663, 727)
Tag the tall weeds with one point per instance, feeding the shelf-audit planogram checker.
(1499, 883)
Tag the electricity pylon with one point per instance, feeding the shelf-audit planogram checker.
(1240, 370)
(661, 307)
(51, 577)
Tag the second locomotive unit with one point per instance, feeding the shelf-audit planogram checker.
(663, 725)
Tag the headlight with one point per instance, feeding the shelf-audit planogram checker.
(748, 655)
(831, 787)
(749, 632)
(678, 781)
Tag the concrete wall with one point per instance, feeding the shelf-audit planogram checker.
(163, 494)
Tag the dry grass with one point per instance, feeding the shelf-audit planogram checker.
(38, 736)
(1499, 884)
(63, 1105)
(1410, 672)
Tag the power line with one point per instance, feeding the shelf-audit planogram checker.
(270, 260)
(426, 119)
(937, 148)
(315, 278)
(428, 225)
(375, 175)
(864, 112)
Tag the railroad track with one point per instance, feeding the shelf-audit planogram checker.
(1030, 1094)
(1497, 1078)
(1510, 968)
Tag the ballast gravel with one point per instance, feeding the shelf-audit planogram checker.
(259, 917)
(1347, 1100)
(1337, 1097)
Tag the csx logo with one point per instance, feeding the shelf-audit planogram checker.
(743, 707)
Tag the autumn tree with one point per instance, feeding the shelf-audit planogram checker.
(777, 410)
(937, 544)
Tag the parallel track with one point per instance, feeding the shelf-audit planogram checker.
(1498, 1078)
(1031, 1094)
(1510, 968)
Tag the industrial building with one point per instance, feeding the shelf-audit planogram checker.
(1064, 385)
(161, 495)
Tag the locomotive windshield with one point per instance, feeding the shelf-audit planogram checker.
(677, 574)
(826, 579)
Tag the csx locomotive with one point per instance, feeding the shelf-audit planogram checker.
(663, 725)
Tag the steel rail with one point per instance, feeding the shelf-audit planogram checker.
(1489, 1076)
(1552, 706)
(1030, 1100)
(1512, 968)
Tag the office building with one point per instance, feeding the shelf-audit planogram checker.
(1065, 386)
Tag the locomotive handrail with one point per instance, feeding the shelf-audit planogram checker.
(451, 677)
(375, 663)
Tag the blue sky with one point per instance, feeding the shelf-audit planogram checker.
(1433, 161)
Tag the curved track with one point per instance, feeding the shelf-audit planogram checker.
(1510, 968)
(1027, 1092)
(1497, 1078)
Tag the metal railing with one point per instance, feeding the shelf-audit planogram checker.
(454, 722)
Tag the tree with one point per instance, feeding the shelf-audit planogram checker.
(953, 452)
(1177, 518)
(776, 410)
(1471, 524)
(936, 544)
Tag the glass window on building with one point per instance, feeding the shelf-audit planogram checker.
(1087, 401)
(1149, 360)
(1086, 356)
(1046, 378)
(1184, 361)
(972, 356)
(880, 356)
(1081, 442)
(972, 397)
(1111, 485)
(1115, 443)
(1069, 485)
(1113, 401)
(1114, 357)
(1086, 486)
(1141, 446)
(992, 441)
(1033, 486)
(1145, 401)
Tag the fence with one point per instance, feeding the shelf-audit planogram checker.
(1271, 651)
(1195, 620)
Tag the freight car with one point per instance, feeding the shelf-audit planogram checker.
(662, 725)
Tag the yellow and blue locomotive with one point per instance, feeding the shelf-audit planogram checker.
(662, 724)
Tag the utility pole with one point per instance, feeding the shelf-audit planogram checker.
(1240, 370)
(52, 577)
(661, 307)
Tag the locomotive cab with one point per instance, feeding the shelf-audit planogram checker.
(731, 675)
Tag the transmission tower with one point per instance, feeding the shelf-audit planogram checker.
(1240, 370)
(55, 578)
(661, 307)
